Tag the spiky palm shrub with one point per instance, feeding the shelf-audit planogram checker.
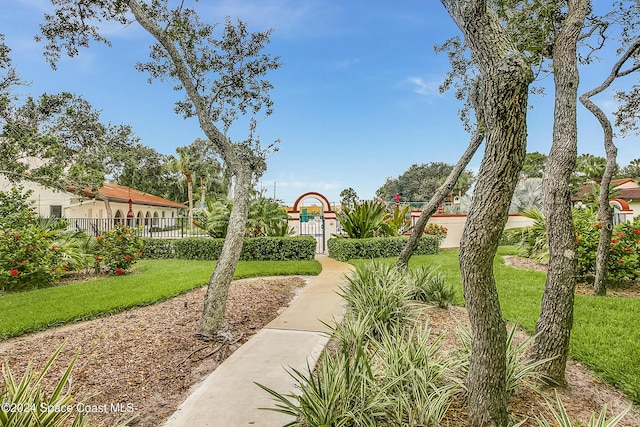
(379, 291)
(562, 419)
(342, 392)
(215, 218)
(363, 220)
(521, 371)
(279, 229)
(25, 402)
(409, 367)
(533, 239)
(265, 213)
(429, 286)
(527, 195)
(396, 222)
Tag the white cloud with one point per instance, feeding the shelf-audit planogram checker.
(424, 87)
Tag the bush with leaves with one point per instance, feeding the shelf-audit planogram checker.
(437, 230)
(16, 211)
(624, 255)
(344, 249)
(378, 291)
(561, 417)
(521, 371)
(429, 286)
(29, 259)
(363, 220)
(265, 218)
(118, 249)
(397, 221)
(31, 254)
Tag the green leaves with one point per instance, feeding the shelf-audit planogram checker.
(364, 220)
(344, 249)
(32, 404)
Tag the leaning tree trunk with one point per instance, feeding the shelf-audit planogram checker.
(429, 209)
(604, 209)
(505, 82)
(216, 298)
(243, 166)
(556, 314)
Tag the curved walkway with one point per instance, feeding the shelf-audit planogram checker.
(228, 397)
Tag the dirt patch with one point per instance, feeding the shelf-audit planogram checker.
(145, 361)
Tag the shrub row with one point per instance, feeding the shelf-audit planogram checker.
(344, 249)
(253, 249)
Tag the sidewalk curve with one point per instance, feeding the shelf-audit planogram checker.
(228, 397)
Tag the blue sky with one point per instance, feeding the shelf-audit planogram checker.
(355, 102)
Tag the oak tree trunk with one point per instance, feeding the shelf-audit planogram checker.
(604, 209)
(242, 163)
(215, 302)
(556, 314)
(505, 82)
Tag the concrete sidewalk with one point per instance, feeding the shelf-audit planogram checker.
(228, 397)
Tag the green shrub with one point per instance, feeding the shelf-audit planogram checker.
(118, 249)
(378, 291)
(429, 286)
(29, 259)
(278, 248)
(364, 220)
(253, 249)
(521, 371)
(198, 248)
(16, 210)
(342, 392)
(416, 378)
(437, 230)
(344, 249)
(624, 258)
(158, 248)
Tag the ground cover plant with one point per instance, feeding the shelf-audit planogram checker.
(154, 281)
(601, 339)
(387, 368)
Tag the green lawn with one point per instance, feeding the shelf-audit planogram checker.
(606, 331)
(155, 280)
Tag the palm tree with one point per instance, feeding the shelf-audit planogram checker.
(527, 196)
(182, 164)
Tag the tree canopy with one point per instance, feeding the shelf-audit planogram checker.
(420, 182)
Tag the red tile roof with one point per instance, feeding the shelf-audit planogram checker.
(629, 193)
(621, 181)
(621, 193)
(120, 193)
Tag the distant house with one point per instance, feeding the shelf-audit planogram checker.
(86, 208)
(626, 200)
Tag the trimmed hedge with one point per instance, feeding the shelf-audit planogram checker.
(253, 249)
(158, 248)
(344, 249)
